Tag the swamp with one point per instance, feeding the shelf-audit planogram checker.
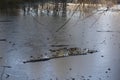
(59, 39)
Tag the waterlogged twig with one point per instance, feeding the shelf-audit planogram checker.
(37, 60)
(74, 53)
(89, 15)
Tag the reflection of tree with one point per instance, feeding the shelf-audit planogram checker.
(9, 6)
(54, 7)
(64, 3)
(46, 6)
(31, 8)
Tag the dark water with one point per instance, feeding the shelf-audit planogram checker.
(27, 34)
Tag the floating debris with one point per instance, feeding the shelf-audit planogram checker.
(82, 76)
(106, 71)
(10, 42)
(102, 56)
(108, 31)
(59, 45)
(109, 69)
(105, 31)
(31, 56)
(72, 51)
(100, 79)
(7, 66)
(7, 76)
(5, 21)
(37, 60)
(48, 38)
(70, 69)
(90, 76)
(73, 78)
(13, 44)
(56, 78)
(63, 52)
(0, 57)
(3, 39)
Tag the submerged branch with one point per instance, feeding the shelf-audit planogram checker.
(64, 52)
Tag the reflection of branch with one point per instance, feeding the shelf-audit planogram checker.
(38, 21)
(68, 19)
(89, 15)
(97, 19)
